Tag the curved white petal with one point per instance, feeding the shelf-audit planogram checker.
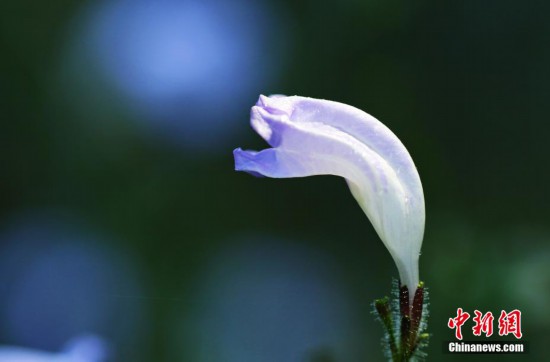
(319, 137)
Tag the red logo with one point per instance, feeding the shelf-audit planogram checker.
(458, 321)
(484, 323)
(508, 323)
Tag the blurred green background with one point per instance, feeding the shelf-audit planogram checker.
(118, 123)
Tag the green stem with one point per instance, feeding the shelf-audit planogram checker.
(411, 325)
(384, 312)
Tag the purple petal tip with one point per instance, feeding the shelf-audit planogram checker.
(244, 161)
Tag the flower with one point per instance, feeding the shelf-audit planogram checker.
(319, 137)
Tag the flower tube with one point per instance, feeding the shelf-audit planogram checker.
(320, 137)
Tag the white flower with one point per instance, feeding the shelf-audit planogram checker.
(319, 137)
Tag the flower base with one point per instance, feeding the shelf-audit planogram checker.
(405, 322)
